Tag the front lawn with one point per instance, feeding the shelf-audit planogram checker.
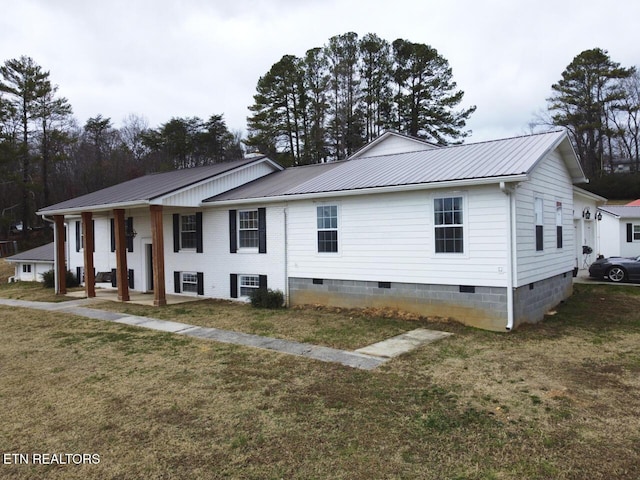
(555, 400)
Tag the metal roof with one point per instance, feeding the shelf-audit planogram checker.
(43, 253)
(143, 189)
(509, 157)
(622, 211)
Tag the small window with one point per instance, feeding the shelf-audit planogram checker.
(327, 218)
(636, 233)
(189, 282)
(188, 231)
(448, 222)
(248, 229)
(26, 268)
(248, 284)
(539, 214)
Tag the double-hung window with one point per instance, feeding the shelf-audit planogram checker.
(189, 282)
(188, 232)
(327, 222)
(248, 284)
(449, 225)
(636, 233)
(248, 228)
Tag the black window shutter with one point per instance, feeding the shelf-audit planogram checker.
(176, 232)
(199, 232)
(262, 230)
(200, 283)
(129, 229)
(113, 235)
(233, 236)
(79, 274)
(77, 236)
(176, 282)
(629, 232)
(131, 282)
(93, 233)
(114, 277)
(539, 238)
(234, 285)
(262, 282)
(559, 236)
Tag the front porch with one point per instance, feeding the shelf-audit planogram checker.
(138, 298)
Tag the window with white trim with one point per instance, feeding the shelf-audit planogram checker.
(448, 224)
(248, 284)
(189, 282)
(539, 218)
(188, 231)
(248, 229)
(327, 223)
(636, 233)
(26, 268)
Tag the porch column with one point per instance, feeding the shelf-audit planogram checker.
(122, 273)
(157, 241)
(89, 242)
(60, 260)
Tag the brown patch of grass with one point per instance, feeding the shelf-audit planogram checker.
(555, 400)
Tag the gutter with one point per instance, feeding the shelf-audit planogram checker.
(509, 191)
(369, 190)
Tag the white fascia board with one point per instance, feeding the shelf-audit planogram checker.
(94, 208)
(587, 194)
(370, 191)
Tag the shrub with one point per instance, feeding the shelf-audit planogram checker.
(48, 278)
(267, 298)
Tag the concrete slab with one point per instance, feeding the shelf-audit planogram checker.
(403, 343)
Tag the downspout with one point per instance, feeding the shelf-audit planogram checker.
(55, 253)
(511, 236)
(286, 256)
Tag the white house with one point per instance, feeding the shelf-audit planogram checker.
(31, 264)
(620, 230)
(480, 232)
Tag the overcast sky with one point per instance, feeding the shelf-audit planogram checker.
(167, 58)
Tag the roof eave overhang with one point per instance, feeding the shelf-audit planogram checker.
(94, 208)
(372, 190)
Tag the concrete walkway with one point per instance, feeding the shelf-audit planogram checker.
(362, 359)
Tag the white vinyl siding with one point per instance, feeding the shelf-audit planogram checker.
(390, 238)
(550, 181)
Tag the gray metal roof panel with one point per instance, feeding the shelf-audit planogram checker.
(498, 158)
(44, 253)
(148, 187)
(622, 211)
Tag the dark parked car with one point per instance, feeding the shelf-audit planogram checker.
(616, 269)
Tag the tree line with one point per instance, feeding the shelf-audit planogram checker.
(598, 101)
(46, 157)
(331, 102)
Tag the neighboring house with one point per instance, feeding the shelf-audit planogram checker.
(30, 265)
(620, 230)
(482, 232)
(586, 226)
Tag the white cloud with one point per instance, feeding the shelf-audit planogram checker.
(167, 58)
